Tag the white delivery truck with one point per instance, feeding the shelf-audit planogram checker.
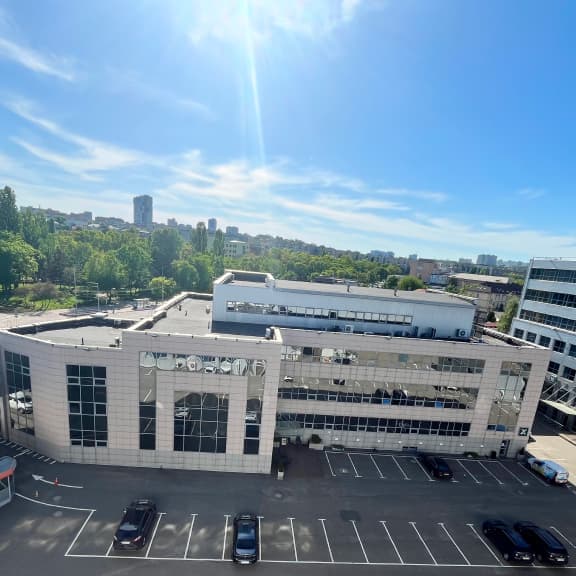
(549, 470)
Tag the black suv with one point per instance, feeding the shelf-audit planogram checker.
(509, 542)
(245, 540)
(134, 528)
(437, 466)
(545, 545)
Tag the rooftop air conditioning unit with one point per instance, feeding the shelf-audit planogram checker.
(349, 328)
(461, 333)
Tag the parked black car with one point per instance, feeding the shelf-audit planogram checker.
(437, 466)
(134, 528)
(544, 544)
(245, 539)
(509, 542)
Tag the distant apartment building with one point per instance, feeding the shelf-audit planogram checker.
(491, 292)
(172, 222)
(487, 260)
(413, 257)
(422, 268)
(547, 316)
(235, 248)
(110, 221)
(80, 219)
(381, 256)
(143, 211)
(232, 231)
(212, 225)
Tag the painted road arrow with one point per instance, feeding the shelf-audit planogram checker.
(41, 479)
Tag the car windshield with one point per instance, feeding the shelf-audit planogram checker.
(246, 537)
(127, 527)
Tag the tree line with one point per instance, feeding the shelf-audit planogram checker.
(34, 250)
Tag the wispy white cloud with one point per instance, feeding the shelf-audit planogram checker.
(531, 193)
(499, 225)
(129, 82)
(228, 21)
(35, 61)
(407, 193)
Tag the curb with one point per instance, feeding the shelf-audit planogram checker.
(568, 438)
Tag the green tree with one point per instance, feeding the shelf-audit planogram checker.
(491, 317)
(61, 251)
(18, 260)
(218, 246)
(162, 287)
(203, 266)
(105, 270)
(136, 259)
(200, 238)
(34, 228)
(410, 283)
(44, 292)
(185, 275)
(392, 282)
(9, 217)
(508, 315)
(452, 285)
(165, 246)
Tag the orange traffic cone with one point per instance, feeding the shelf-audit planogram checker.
(56, 481)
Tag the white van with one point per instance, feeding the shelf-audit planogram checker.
(549, 470)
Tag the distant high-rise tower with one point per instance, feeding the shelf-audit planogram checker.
(486, 260)
(143, 211)
(212, 225)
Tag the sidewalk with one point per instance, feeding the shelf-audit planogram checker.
(551, 443)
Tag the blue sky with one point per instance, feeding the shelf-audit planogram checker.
(445, 128)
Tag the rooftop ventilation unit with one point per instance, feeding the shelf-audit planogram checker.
(461, 333)
(349, 328)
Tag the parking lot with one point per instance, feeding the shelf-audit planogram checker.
(17, 450)
(346, 539)
(365, 465)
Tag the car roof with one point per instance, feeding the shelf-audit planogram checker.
(544, 534)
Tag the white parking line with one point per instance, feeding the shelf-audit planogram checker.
(79, 532)
(485, 543)
(22, 453)
(383, 522)
(154, 533)
(562, 536)
(401, 469)
(330, 465)
(359, 540)
(491, 474)
(293, 538)
(227, 516)
(351, 462)
(513, 475)
(471, 475)
(109, 548)
(424, 470)
(377, 468)
(423, 542)
(322, 520)
(190, 534)
(441, 524)
(260, 537)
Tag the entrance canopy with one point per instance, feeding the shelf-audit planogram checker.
(7, 466)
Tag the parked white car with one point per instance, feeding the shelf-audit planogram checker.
(21, 402)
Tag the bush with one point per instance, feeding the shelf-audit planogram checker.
(315, 439)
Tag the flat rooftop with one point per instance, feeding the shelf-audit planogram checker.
(420, 296)
(81, 335)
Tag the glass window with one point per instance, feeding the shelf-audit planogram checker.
(518, 333)
(530, 336)
(544, 341)
(559, 346)
(20, 402)
(553, 367)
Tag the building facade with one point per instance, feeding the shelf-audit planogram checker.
(489, 260)
(143, 211)
(547, 316)
(212, 225)
(235, 248)
(201, 385)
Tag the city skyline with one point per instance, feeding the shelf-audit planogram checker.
(354, 123)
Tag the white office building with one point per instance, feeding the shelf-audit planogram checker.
(547, 316)
(212, 383)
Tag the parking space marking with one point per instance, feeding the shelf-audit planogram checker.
(562, 536)
(22, 453)
(109, 548)
(154, 533)
(441, 524)
(512, 474)
(401, 469)
(360, 540)
(383, 522)
(377, 468)
(79, 532)
(471, 475)
(473, 528)
(227, 516)
(413, 524)
(491, 473)
(536, 477)
(329, 464)
(352, 462)
(190, 534)
(260, 537)
(423, 469)
(322, 520)
(293, 538)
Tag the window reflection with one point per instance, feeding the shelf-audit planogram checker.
(19, 392)
(202, 363)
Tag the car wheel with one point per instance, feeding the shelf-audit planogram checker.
(506, 556)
